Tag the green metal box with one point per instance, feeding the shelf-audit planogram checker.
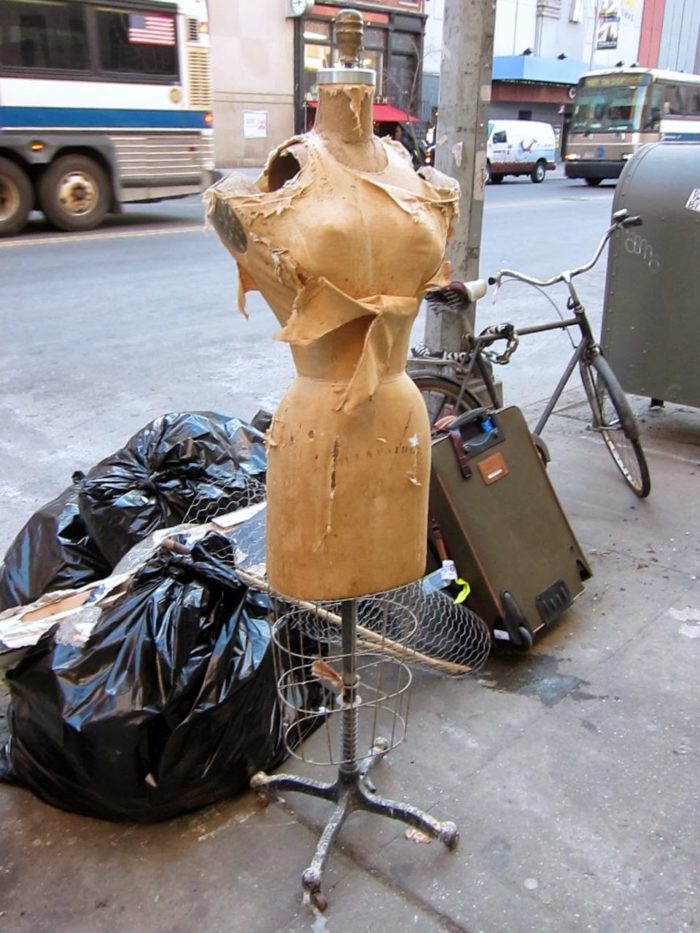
(651, 319)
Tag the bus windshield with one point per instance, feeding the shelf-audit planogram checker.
(607, 108)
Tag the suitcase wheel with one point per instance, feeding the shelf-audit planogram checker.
(542, 450)
(516, 623)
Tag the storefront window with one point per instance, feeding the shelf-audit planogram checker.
(319, 52)
(317, 32)
(375, 39)
(375, 60)
(315, 57)
(398, 71)
(402, 42)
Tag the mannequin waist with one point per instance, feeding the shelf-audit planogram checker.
(336, 356)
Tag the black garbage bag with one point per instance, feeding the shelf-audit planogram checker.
(53, 551)
(170, 705)
(184, 466)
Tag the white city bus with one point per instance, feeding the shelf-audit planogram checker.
(617, 111)
(101, 103)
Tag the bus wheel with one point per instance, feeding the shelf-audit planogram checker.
(593, 182)
(16, 198)
(74, 193)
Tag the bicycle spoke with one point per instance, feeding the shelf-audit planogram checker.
(607, 402)
(442, 396)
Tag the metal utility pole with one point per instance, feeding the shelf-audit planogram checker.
(465, 93)
(596, 13)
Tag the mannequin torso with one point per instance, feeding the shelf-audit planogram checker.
(342, 238)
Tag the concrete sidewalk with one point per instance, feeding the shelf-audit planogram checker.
(572, 771)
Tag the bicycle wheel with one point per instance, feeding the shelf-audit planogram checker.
(444, 397)
(614, 419)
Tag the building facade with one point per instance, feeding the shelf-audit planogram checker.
(264, 66)
(671, 35)
(541, 47)
(252, 79)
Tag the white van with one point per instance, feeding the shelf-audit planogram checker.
(519, 147)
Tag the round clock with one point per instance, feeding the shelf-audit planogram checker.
(299, 7)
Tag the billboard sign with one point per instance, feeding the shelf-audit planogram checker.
(607, 24)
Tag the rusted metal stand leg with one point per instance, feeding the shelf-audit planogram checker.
(311, 878)
(270, 784)
(445, 831)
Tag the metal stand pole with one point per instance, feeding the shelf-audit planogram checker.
(352, 789)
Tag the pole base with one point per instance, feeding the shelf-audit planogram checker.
(351, 791)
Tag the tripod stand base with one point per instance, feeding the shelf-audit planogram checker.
(352, 790)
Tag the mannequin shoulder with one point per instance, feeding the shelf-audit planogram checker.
(445, 185)
(396, 151)
(286, 162)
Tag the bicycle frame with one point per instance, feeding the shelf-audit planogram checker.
(471, 372)
(586, 344)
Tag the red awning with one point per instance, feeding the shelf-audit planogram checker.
(382, 113)
(386, 113)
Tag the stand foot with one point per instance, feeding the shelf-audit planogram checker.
(446, 831)
(350, 791)
(311, 879)
(267, 785)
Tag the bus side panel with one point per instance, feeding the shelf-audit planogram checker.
(602, 155)
(163, 165)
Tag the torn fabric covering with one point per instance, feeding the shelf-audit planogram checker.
(321, 309)
(342, 238)
(333, 245)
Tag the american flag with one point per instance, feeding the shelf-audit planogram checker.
(151, 29)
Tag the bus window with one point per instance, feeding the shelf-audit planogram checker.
(137, 43)
(47, 36)
(674, 104)
(653, 109)
(692, 102)
(603, 107)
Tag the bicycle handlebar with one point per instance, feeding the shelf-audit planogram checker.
(621, 219)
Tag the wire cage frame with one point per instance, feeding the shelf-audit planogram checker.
(448, 638)
(311, 662)
(231, 492)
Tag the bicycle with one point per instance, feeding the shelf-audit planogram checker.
(612, 415)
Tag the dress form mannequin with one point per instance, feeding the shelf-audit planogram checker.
(342, 238)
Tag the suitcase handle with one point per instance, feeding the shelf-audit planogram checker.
(460, 453)
(475, 414)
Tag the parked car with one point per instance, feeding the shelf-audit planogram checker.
(519, 147)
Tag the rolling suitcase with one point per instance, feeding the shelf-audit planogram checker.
(493, 512)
